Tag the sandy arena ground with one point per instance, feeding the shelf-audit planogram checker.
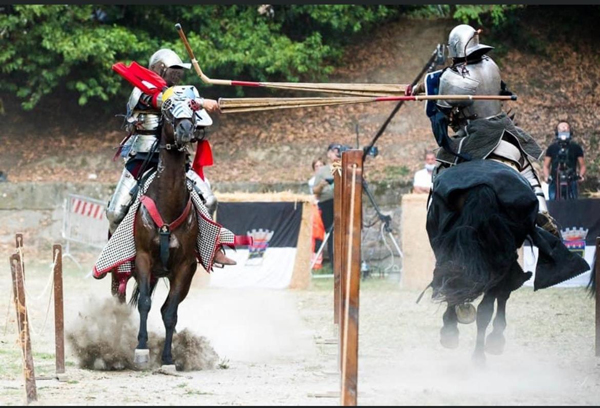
(269, 349)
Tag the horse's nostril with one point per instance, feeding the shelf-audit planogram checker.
(185, 129)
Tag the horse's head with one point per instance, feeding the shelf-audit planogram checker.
(183, 117)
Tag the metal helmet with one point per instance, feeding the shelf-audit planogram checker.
(463, 42)
(168, 65)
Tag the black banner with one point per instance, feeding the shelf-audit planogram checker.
(574, 217)
(282, 218)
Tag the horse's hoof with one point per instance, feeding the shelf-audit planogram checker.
(494, 344)
(465, 313)
(478, 359)
(168, 368)
(141, 358)
(449, 338)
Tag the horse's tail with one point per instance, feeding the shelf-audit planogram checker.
(476, 252)
(591, 286)
(135, 296)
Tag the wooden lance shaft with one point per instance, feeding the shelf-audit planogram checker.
(338, 88)
(239, 105)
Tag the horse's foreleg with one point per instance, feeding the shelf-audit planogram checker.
(143, 266)
(494, 344)
(179, 288)
(485, 310)
(449, 331)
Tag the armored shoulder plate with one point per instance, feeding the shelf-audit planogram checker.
(134, 98)
(481, 78)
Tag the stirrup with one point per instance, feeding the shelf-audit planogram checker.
(545, 221)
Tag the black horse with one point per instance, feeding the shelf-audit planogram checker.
(480, 213)
(166, 228)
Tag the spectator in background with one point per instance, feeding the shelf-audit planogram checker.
(564, 163)
(318, 229)
(323, 190)
(316, 165)
(422, 181)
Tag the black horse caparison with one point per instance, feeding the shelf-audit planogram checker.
(167, 252)
(480, 214)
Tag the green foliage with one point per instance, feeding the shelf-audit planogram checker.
(479, 14)
(50, 47)
(395, 172)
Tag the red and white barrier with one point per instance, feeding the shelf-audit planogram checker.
(84, 222)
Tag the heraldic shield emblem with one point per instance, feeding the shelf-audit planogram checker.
(256, 251)
(574, 239)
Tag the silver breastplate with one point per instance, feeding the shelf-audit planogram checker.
(482, 78)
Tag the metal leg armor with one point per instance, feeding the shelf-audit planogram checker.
(121, 200)
(203, 188)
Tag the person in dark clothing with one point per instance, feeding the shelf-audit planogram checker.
(564, 165)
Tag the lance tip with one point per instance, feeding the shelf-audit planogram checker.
(178, 26)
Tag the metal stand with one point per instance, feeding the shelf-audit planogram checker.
(385, 219)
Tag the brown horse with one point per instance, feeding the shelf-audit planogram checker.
(166, 229)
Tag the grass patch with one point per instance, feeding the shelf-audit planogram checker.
(223, 364)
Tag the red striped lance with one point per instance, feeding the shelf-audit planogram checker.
(87, 209)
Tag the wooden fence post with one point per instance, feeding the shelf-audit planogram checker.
(59, 322)
(596, 270)
(16, 268)
(352, 166)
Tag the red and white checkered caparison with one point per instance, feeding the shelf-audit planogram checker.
(86, 208)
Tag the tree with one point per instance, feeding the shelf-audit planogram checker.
(46, 47)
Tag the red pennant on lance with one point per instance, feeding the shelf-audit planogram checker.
(148, 81)
(203, 157)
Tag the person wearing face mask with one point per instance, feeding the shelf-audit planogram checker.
(422, 181)
(564, 165)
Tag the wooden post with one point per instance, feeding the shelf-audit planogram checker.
(352, 182)
(59, 322)
(19, 246)
(23, 325)
(337, 248)
(597, 295)
(343, 233)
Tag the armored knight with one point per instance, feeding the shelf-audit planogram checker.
(139, 150)
(483, 130)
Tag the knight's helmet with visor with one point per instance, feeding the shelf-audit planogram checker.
(168, 65)
(463, 42)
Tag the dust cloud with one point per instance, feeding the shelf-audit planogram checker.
(104, 337)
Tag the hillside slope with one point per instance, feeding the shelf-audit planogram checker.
(57, 143)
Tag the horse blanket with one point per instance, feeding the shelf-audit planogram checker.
(518, 203)
(119, 251)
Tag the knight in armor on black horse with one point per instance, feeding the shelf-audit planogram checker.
(483, 130)
(139, 150)
(486, 199)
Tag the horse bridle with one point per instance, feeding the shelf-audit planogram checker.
(169, 117)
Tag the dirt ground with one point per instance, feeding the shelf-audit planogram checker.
(269, 347)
